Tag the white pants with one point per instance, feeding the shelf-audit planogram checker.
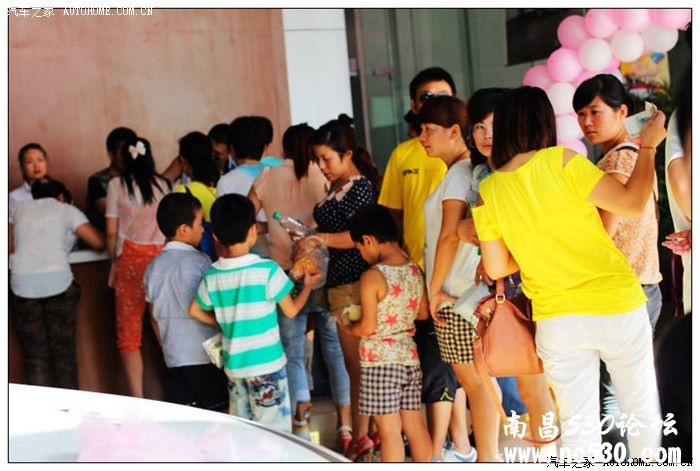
(571, 347)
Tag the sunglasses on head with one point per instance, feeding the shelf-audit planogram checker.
(428, 95)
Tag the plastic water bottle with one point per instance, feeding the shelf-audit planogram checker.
(296, 229)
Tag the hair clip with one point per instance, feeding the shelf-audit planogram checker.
(138, 149)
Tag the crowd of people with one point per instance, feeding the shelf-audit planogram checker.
(479, 192)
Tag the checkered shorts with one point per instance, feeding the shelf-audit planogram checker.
(456, 339)
(386, 389)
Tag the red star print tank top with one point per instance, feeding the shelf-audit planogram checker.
(392, 342)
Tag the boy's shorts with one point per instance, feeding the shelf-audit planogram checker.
(203, 386)
(439, 381)
(387, 389)
(263, 399)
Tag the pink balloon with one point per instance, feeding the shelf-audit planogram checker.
(613, 65)
(572, 32)
(600, 23)
(670, 18)
(583, 76)
(575, 144)
(633, 19)
(627, 46)
(568, 128)
(563, 65)
(538, 76)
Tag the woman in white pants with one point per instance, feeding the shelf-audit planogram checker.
(539, 215)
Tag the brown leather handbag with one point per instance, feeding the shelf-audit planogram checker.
(506, 337)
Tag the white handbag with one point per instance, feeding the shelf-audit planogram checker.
(467, 302)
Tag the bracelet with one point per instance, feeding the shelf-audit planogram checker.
(648, 147)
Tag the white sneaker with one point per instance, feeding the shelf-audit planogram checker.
(300, 428)
(452, 456)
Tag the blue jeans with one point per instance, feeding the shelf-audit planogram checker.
(292, 332)
(654, 303)
(511, 398)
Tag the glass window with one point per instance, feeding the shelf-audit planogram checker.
(532, 32)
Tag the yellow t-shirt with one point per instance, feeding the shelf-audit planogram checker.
(205, 194)
(568, 263)
(409, 178)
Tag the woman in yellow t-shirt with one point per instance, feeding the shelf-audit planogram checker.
(539, 215)
(197, 160)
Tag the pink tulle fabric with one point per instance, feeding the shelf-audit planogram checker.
(141, 439)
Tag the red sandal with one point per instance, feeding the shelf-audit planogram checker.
(363, 446)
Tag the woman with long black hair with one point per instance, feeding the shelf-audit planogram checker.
(133, 240)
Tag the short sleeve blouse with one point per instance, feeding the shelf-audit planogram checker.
(635, 237)
(137, 222)
(345, 265)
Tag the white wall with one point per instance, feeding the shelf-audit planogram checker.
(317, 65)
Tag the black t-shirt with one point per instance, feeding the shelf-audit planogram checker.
(97, 188)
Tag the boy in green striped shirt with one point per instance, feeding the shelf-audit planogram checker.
(239, 293)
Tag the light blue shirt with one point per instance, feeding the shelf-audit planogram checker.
(171, 281)
(271, 161)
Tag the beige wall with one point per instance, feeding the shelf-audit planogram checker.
(74, 78)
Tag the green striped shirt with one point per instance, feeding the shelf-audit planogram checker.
(243, 292)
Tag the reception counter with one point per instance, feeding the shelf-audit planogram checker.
(99, 365)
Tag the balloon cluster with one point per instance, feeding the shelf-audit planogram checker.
(595, 44)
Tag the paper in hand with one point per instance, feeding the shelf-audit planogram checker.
(635, 123)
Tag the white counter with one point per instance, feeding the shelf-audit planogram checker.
(86, 256)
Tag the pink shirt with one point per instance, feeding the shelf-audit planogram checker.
(279, 190)
(137, 222)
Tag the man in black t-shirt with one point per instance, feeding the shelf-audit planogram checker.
(96, 201)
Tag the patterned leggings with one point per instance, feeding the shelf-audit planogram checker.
(129, 295)
(46, 330)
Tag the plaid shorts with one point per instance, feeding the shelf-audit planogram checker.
(456, 339)
(386, 389)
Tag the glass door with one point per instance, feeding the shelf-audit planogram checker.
(387, 48)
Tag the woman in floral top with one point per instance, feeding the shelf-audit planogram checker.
(354, 183)
(602, 104)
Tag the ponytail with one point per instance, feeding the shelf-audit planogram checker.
(364, 163)
(339, 135)
(295, 143)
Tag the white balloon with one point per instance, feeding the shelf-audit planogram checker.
(627, 46)
(595, 54)
(618, 73)
(568, 128)
(658, 39)
(561, 95)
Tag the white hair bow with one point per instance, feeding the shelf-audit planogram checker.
(138, 149)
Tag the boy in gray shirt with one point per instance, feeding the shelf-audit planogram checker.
(171, 281)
